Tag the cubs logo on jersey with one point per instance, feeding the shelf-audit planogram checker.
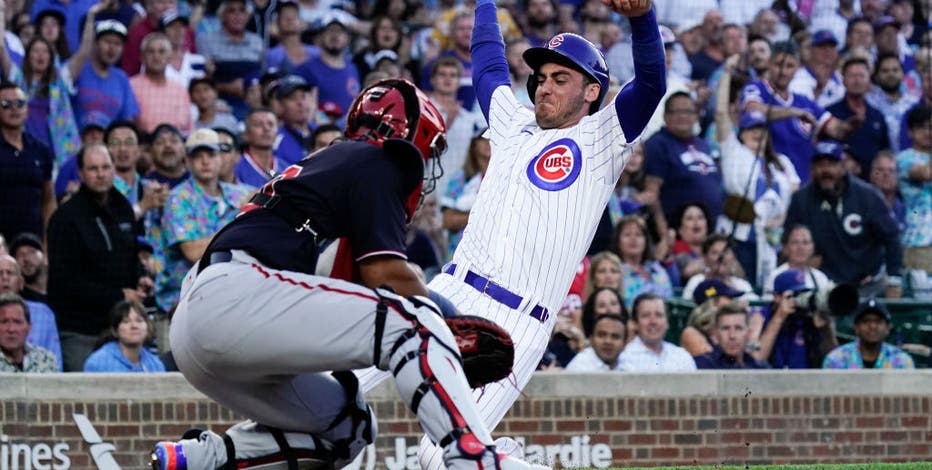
(557, 166)
(853, 224)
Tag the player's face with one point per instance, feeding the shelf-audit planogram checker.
(606, 303)
(562, 97)
(782, 69)
(205, 166)
(694, 227)
(631, 243)
(608, 339)
(799, 247)
(97, 173)
(607, 274)
(132, 331)
(732, 332)
(124, 147)
(652, 321)
(13, 327)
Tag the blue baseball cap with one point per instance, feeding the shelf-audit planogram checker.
(791, 280)
(874, 306)
(829, 149)
(823, 37)
(751, 119)
(710, 288)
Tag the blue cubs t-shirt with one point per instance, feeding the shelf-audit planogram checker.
(103, 99)
(337, 85)
(688, 172)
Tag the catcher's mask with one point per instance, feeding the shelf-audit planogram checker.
(395, 115)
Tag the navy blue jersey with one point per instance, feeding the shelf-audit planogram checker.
(688, 172)
(351, 190)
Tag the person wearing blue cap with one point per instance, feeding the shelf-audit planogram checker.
(794, 337)
(853, 229)
(819, 79)
(758, 181)
(869, 351)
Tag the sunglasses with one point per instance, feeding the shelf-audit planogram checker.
(7, 104)
(225, 148)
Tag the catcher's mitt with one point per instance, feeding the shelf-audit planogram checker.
(487, 350)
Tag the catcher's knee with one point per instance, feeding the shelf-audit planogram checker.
(425, 321)
(355, 426)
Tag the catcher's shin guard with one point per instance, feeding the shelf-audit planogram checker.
(429, 375)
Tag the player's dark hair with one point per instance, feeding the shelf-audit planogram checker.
(714, 238)
(881, 58)
(252, 112)
(758, 37)
(122, 124)
(645, 297)
(589, 317)
(785, 47)
(679, 94)
(856, 20)
(681, 212)
(120, 311)
(12, 298)
(919, 116)
(8, 85)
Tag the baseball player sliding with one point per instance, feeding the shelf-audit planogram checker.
(258, 331)
(550, 177)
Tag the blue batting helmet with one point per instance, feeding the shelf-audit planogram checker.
(574, 51)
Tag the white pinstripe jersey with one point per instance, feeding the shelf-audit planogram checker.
(541, 199)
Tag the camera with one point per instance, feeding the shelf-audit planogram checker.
(839, 301)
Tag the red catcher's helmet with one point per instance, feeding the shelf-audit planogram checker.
(395, 115)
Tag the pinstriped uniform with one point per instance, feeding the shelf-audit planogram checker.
(526, 238)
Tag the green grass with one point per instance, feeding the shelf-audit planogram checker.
(850, 466)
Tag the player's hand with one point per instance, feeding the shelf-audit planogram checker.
(629, 8)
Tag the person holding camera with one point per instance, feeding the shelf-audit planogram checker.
(797, 334)
(869, 351)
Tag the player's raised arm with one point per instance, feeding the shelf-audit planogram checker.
(490, 68)
(637, 101)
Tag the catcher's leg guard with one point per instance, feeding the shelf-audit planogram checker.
(429, 375)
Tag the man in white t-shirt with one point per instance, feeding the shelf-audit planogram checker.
(648, 352)
(606, 342)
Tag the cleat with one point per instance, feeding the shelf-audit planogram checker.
(507, 462)
(168, 455)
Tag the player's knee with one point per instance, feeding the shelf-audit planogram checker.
(355, 427)
(421, 313)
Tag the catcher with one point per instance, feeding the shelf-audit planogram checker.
(311, 277)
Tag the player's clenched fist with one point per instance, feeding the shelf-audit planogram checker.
(629, 8)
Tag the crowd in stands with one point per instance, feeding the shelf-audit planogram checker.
(791, 153)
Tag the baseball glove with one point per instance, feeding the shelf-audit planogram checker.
(487, 350)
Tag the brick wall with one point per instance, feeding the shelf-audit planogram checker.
(615, 419)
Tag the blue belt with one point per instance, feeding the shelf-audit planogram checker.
(498, 293)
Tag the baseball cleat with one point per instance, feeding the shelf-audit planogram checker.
(168, 455)
(507, 462)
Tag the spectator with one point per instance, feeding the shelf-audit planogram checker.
(195, 210)
(50, 118)
(234, 51)
(386, 34)
(602, 301)
(161, 101)
(290, 52)
(753, 217)
(326, 134)
(67, 182)
(462, 124)
(332, 72)
(859, 34)
(731, 338)
(794, 119)
(34, 265)
(604, 271)
(924, 68)
(424, 238)
(24, 30)
(51, 23)
(692, 227)
(760, 51)
(640, 272)
(676, 82)
(869, 351)
(295, 135)
(27, 198)
(69, 9)
(678, 165)
(520, 71)
(259, 163)
(819, 80)
(607, 341)
(149, 24)
(17, 354)
(719, 260)
(462, 189)
(123, 346)
(798, 251)
(883, 177)
(648, 352)
(230, 155)
(889, 96)
(541, 21)
(914, 170)
(103, 90)
(696, 338)
(211, 113)
(793, 337)
(873, 135)
(183, 65)
(122, 139)
(92, 257)
(461, 34)
(742, 11)
(42, 329)
(835, 18)
(853, 230)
